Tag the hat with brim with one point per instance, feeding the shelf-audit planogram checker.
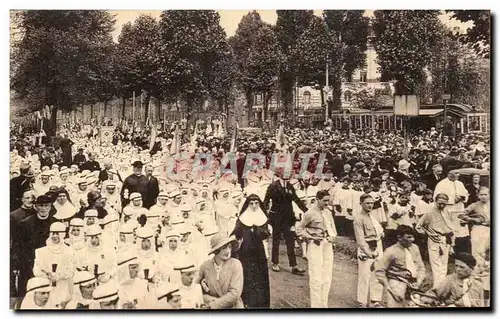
(57, 227)
(40, 284)
(43, 199)
(137, 164)
(220, 240)
(106, 292)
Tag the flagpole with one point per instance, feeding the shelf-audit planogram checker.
(133, 106)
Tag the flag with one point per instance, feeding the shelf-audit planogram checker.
(176, 142)
(154, 132)
(280, 138)
(235, 137)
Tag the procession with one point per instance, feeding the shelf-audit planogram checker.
(135, 207)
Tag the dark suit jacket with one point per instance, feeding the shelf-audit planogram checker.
(152, 193)
(282, 210)
(431, 181)
(18, 185)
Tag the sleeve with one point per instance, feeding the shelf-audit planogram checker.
(297, 200)
(423, 221)
(417, 259)
(360, 236)
(301, 228)
(439, 189)
(238, 231)
(267, 198)
(38, 267)
(382, 265)
(234, 291)
(470, 209)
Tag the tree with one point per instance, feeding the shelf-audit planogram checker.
(290, 25)
(478, 35)
(349, 29)
(58, 57)
(404, 42)
(192, 42)
(221, 88)
(264, 64)
(138, 58)
(457, 69)
(241, 43)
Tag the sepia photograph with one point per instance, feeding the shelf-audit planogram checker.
(249, 159)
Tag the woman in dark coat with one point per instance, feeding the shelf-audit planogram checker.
(250, 230)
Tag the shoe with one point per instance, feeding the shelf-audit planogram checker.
(298, 271)
(275, 267)
(304, 257)
(360, 305)
(376, 304)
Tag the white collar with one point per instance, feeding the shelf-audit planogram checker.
(250, 219)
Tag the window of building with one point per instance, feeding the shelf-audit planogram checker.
(306, 97)
(347, 96)
(362, 77)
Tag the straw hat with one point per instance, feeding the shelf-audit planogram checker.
(219, 240)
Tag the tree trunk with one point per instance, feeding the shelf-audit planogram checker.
(249, 98)
(92, 112)
(53, 122)
(124, 101)
(189, 103)
(105, 108)
(158, 114)
(146, 96)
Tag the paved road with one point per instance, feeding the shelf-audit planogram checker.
(292, 291)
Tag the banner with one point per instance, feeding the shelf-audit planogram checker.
(107, 134)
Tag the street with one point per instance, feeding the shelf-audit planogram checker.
(292, 291)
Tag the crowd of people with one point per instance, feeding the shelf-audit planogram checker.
(107, 226)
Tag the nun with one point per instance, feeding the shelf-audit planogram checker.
(38, 293)
(65, 210)
(132, 289)
(153, 265)
(84, 284)
(251, 230)
(106, 295)
(191, 293)
(55, 262)
(97, 256)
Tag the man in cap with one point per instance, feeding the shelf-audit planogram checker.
(401, 267)
(191, 293)
(460, 289)
(38, 295)
(84, 284)
(135, 183)
(34, 231)
(438, 224)
(55, 262)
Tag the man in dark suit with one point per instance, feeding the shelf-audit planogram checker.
(79, 158)
(153, 188)
(135, 183)
(282, 218)
(425, 167)
(34, 231)
(435, 177)
(91, 165)
(19, 185)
